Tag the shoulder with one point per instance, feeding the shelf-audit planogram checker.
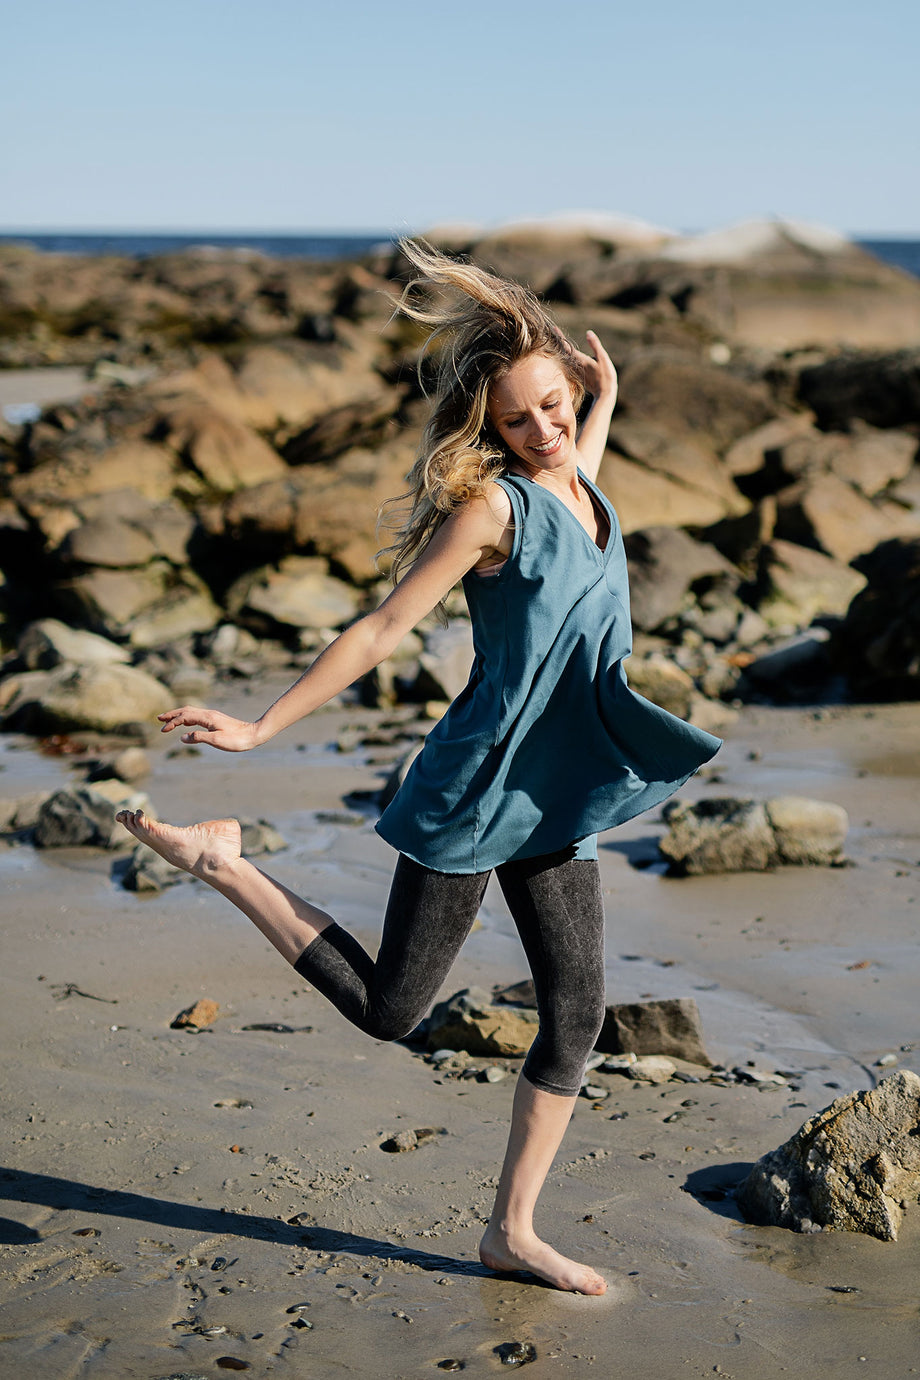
(488, 514)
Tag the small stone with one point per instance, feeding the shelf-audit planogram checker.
(651, 1068)
(301, 1323)
(451, 1364)
(86, 1231)
(217, 1331)
(617, 1063)
(886, 1061)
(516, 1353)
(595, 1093)
(203, 1013)
(232, 1363)
(493, 1074)
(297, 1307)
(399, 1144)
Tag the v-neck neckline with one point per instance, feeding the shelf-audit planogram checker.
(597, 504)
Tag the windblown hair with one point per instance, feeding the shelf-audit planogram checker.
(483, 325)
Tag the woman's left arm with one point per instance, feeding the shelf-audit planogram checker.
(601, 383)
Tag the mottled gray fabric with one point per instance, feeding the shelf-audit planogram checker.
(556, 904)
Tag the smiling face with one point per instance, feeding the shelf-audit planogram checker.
(532, 410)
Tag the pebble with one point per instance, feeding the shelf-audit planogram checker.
(232, 1363)
(590, 1090)
(516, 1353)
(493, 1074)
(297, 1307)
(300, 1322)
(617, 1063)
(451, 1364)
(219, 1262)
(886, 1061)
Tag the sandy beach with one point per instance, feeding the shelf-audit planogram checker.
(161, 1216)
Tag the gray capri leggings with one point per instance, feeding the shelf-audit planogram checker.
(556, 904)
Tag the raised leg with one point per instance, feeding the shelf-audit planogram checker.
(428, 916)
(211, 851)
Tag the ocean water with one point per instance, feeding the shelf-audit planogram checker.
(904, 253)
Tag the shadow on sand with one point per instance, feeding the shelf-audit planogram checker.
(45, 1190)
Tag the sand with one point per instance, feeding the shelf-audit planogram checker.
(137, 1209)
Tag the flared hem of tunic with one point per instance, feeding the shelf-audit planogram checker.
(584, 827)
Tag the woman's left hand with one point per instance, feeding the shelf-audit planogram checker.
(598, 368)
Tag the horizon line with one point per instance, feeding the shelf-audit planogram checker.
(322, 232)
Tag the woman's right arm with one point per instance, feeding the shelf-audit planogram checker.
(467, 535)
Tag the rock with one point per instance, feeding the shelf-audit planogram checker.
(202, 1013)
(872, 459)
(668, 1026)
(853, 1167)
(260, 837)
(107, 541)
(22, 813)
(799, 584)
(727, 835)
(148, 874)
(469, 1021)
(150, 470)
(689, 397)
(651, 1068)
(786, 664)
(878, 644)
(445, 663)
(689, 460)
(299, 593)
(48, 643)
(184, 610)
(130, 765)
(644, 498)
(410, 1140)
(84, 817)
(665, 564)
(881, 389)
(811, 832)
(826, 512)
(751, 452)
(659, 680)
(397, 776)
(103, 698)
(521, 993)
(226, 453)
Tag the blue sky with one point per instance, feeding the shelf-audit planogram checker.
(297, 115)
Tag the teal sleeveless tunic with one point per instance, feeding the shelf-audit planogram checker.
(546, 744)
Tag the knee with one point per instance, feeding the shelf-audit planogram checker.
(389, 1025)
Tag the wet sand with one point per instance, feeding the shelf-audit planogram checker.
(226, 1217)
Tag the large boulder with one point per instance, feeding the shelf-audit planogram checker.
(687, 396)
(226, 453)
(299, 593)
(48, 643)
(728, 835)
(878, 644)
(665, 564)
(689, 460)
(645, 498)
(150, 605)
(149, 469)
(826, 512)
(882, 389)
(798, 584)
(103, 698)
(853, 1167)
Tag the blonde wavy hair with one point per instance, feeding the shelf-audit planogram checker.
(481, 326)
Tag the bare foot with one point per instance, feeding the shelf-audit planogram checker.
(497, 1251)
(201, 849)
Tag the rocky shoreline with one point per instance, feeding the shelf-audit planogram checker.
(213, 510)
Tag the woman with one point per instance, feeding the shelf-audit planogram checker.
(544, 747)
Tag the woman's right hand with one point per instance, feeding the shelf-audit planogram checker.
(212, 727)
